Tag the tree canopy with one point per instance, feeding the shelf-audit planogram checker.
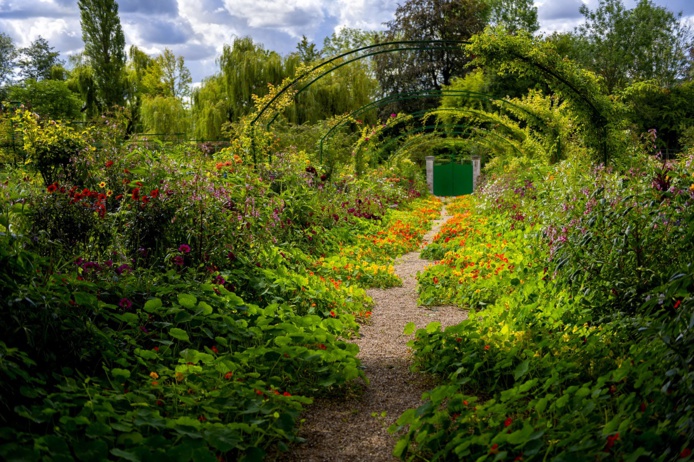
(104, 47)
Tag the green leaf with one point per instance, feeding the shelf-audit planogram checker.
(179, 334)
(433, 327)
(410, 327)
(91, 451)
(153, 305)
(205, 308)
(187, 300)
(521, 369)
(120, 373)
(125, 455)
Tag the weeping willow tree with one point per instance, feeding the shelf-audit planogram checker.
(246, 69)
(210, 109)
(164, 115)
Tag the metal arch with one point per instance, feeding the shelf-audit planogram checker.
(356, 50)
(416, 95)
(476, 129)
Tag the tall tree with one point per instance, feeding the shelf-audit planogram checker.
(307, 51)
(644, 43)
(175, 76)
(37, 60)
(247, 68)
(514, 15)
(435, 67)
(104, 46)
(8, 53)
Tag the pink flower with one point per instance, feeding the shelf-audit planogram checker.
(185, 248)
(125, 303)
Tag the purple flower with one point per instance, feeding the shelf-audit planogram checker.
(125, 303)
(185, 248)
(122, 268)
(393, 115)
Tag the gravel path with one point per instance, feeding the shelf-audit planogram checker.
(355, 427)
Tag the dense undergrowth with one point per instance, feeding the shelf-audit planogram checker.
(579, 343)
(166, 305)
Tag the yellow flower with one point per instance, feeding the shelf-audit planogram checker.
(691, 188)
(154, 375)
(109, 193)
(102, 184)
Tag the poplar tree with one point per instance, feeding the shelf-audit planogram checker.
(104, 46)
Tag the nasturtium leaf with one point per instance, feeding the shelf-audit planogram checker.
(521, 369)
(152, 305)
(146, 354)
(125, 455)
(433, 327)
(179, 334)
(187, 300)
(410, 327)
(205, 308)
(120, 373)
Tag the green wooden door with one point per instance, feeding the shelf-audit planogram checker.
(452, 179)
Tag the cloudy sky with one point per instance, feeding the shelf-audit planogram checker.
(197, 29)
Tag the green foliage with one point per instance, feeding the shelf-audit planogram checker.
(164, 115)
(525, 56)
(8, 53)
(51, 99)
(427, 20)
(514, 15)
(164, 304)
(580, 340)
(51, 147)
(104, 47)
(624, 46)
(37, 60)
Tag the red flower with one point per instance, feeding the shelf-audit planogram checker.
(686, 452)
(214, 350)
(611, 440)
(109, 163)
(228, 375)
(119, 197)
(508, 422)
(486, 347)
(332, 313)
(678, 303)
(135, 194)
(156, 348)
(286, 393)
(643, 406)
(259, 392)
(436, 280)
(154, 193)
(494, 449)
(465, 402)
(52, 188)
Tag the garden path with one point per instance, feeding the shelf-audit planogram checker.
(355, 427)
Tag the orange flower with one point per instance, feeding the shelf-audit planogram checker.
(154, 375)
(228, 375)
